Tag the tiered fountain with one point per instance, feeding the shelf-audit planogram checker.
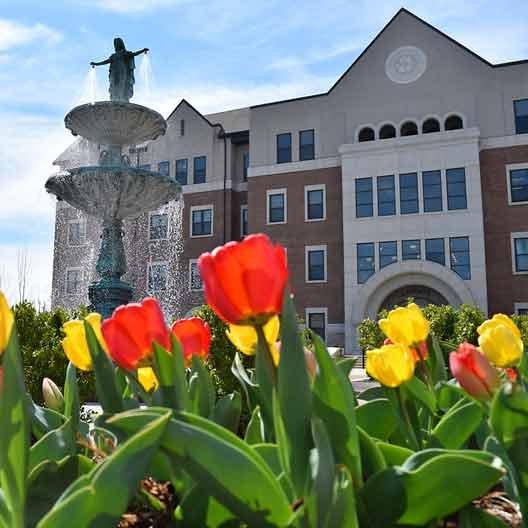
(113, 190)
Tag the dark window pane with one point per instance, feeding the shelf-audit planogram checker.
(276, 207)
(388, 253)
(144, 166)
(182, 127)
(366, 134)
(73, 282)
(364, 197)
(435, 250)
(181, 171)
(411, 250)
(456, 189)
(306, 145)
(521, 254)
(453, 122)
(316, 270)
(159, 224)
(408, 193)
(460, 259)
(316, 323)
(199, 169)
(520, 108)
(432, 191)
(315, 205)
(409, 129)
(366, 265)
(244, 221)
(202, 222)
(245, 166)
(387, 131)
(163, 168)
(386, 196)
(519, 185)
(283, 148)
(430, 125)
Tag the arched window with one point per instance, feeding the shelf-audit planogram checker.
(387, 131)
(453, 122)
(366, 134)
(430, 125)
(409, 128)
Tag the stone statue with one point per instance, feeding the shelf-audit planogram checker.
(121, 71)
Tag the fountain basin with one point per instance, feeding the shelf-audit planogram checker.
(113, 192)
(115, 123)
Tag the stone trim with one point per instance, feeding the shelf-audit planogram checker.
(515, 140)
(513, 237)
(294, 166)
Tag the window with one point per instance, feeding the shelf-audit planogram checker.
(157, 276)
(520, 108)
(520, 249)
(432, 191)
(306, 145)
(243, 220)
(182, 127)
(76, 232)
(460, 260)
(164, 168)
(408, 193)
(364, 197)
(435, 250)
(315, 263)
(388, 253)
(316, 321)
(386, 196)
(144, 166)
(158, 226)
(387, 132)
(73, 281)
(366, 265)
(201, 221)
(366, 134)
(409, 128)
(181, 171)
(519, 185)
(521, 308)
(456, 189)
(195, 280)
(284, 148)
(453, 122)
(411, 250)
(245, 166)
(430, 125)
(277, 212)
(199, 169)
(314, 202)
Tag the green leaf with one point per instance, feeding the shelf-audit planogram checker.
(255, 429)
(270, 453)
(394, 455)
(72, 406)
(5, 514)
(201, 389)
(346, 364)
(372, 393)
(422, 393)
(377, 418)
(372, 459)
(54, 446)
(266, 378)
(227, 411)
(170, 371)
(471, 517)
(283, 442)
(44, 420)
(436, 359)
(248, 386)
(343, 510)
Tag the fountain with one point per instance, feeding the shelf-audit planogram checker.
(113, 190)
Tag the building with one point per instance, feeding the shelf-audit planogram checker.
(408, 178)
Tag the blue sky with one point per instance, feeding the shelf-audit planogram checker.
(219, 54)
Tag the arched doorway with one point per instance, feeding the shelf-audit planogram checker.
(421, 295)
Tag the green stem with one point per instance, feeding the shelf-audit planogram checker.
(264, 348)
(407, 421)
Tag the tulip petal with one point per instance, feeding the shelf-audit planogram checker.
(6, 322)
(194, 336)
(123, 348)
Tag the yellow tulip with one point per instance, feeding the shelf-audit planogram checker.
(391, 364)
(245, 337)
(6, 322)
(500, 341)
(75, 345)
(147, 378)
(405, 326)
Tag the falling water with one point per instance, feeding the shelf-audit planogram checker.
(145, 75)
(88, 92)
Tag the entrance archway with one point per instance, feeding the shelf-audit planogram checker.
(420, 294)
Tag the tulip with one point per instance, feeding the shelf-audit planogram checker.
(6, 322)
(147, 378)
(391, 364)
(75, 345)
(52, 395)
(500, 341)
(194, 336)
(474, 372)
(132, 330)
(244, 281)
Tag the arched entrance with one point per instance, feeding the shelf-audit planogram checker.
(420, 294)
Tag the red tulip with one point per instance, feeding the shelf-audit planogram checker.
(473, 371)
(244, 281)
(132, 329)
(194, 336)
(512, 374)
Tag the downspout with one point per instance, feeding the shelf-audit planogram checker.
(222, 134)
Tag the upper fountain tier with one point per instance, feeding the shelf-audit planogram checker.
(115, 123)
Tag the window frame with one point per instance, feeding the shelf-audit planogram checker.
(394, 201)
(68, 270)
(160, 163)
(301, 132)
(443, 252)
(309, 310)
(195, 208)
(245, 168)
(186, 171)
(356, 193)
(395, 243)
(82, 223)
(271, 192)
(242, 209)
(424, 198)
(513, 238)
(519, 99)
(374, 267)
(518, 306)
(408, 240)
(278, 149)
(195, 159)
(451, 256)
(149, 267)
(191, 263)
(307, 190)
(509, 168)
(457, 196)
(417, 187)
(157, 213)
(307, 250)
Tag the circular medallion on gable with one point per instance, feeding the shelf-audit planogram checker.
(406, 64)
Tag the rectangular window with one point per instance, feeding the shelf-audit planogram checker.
(520, 108)
(409, 193)
(306, 145)
(435, 250)
(276, 206)
(386, 196)
(314, 202)
(245, 167)
(364, 198)
(316, 263)
(388, 253)
(73, 281)
(521, 308)
(432, 191)
(181, 171)
(520, 246)
(456, 189)
(460, 259)
(195, 280)
(366, 264)
(201, 221)
(164, 168)
(144, 166)
(182, 127)
(76, 232)
(157, 276)
(159, 226)
(199, 169)
(243, 220)
(284, 148)
(411, 250)
(519, 185)
(316, 321)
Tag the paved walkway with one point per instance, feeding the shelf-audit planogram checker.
(360, 380)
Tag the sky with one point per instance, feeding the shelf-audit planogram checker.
(218, 54)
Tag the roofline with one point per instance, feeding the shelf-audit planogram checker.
(195, 110)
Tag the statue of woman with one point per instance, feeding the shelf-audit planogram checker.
(121, 71)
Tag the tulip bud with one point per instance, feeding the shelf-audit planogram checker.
(474, 372)
(53, 397)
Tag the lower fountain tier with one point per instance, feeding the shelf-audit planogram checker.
(114, 192)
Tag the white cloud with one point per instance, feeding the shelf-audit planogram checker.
(14, 34)
(134, 6)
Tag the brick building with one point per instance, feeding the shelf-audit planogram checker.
(409, 177)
